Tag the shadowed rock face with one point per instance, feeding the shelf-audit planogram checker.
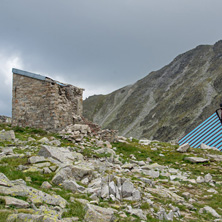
(167, 103)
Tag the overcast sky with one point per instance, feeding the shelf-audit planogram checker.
(100, 45)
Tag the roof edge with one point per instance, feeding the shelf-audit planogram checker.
(28, 74)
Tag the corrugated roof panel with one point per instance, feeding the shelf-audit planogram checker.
(208, 132)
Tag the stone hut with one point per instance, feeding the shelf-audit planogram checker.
(41, 102)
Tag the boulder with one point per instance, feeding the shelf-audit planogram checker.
(99, 214)
(183, 148)
(211, 211)
(21, 217)
(36, 159)
(75, 172)
(127, 189)
(137, 212)
(217, 158)
(72, 186)
(206, 147)
(14, 202)
(196, 159)
(4, 181)
(7, 135)
(208, 178)
(46, 185)
(145, 142)
(62, 155)
(44, 140)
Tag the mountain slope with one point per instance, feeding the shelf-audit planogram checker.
(166, 103)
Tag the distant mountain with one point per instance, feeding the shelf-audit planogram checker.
(167, 103)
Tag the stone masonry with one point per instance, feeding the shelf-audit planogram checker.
(41, 102)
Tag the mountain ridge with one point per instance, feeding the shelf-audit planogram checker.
(167, 103)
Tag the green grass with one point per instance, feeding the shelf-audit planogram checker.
(75, 209)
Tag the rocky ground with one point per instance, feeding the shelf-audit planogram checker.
(44, 177)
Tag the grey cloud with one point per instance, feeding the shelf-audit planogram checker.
(104, 44)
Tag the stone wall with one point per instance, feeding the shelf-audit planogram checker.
(45, 103)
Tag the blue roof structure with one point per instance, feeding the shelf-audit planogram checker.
(33, 75)
(208, 132)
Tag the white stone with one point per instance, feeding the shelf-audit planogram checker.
(183, 148)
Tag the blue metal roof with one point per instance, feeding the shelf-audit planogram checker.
(33, 75)
(208, 132)
(28, 74)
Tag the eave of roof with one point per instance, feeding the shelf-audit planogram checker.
(34, 76)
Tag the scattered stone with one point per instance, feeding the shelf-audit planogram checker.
(196, 159)
(44, 140)
(127, 189)
(46, 185)
(208, 178)
(200, 179)
(206, 147)
(209, 210)
(14, 202)
(7, 135)
(96, 213)
(145, 142)
(36, 159)
(217, 158)
(183, 148)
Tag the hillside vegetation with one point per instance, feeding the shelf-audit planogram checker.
(167, 103)
(46, 178)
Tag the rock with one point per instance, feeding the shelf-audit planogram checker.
(7, 135)
(210, 210)
(128, 166)
(46, 170)
(62, 155)
(105, 151)
(211, 190)
(4, 181)
(183, 148)
(200, 179)
(141, 163)
(127, 189)
(35, 196)
(7, 151)
(40, 165)
(63, 174)
(196, 159)
(30, 139)
(53, 168)
(55, 143)
(206, 147)
(36, 159)
(136, 196)
(145, 142)
(208, 178)
(137, 212)
(76, 172)
(14, 202)
(46, 185)
(217, 158)
(153, 166)
(108, 145)
(82, 171)
(186, 195)
(104, 190)
(44, 140)
(72, 186)
(153, 173)
(112, 188)
(98, 214)
(21, 217)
